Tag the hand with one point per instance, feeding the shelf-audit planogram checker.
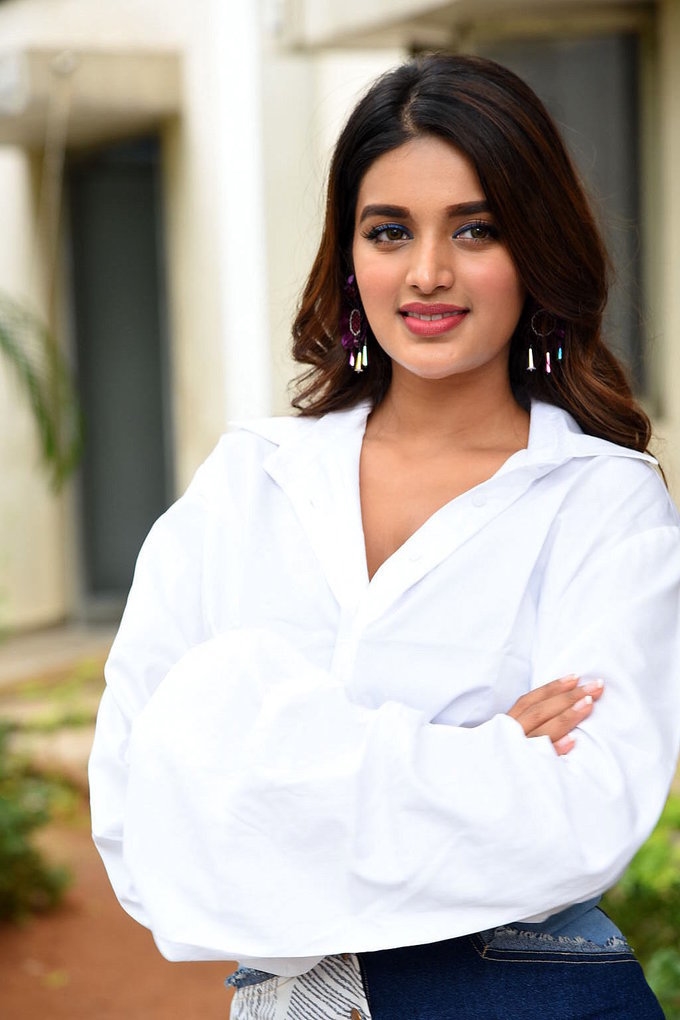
(555, 709)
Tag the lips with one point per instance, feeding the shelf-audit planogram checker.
(431, 320)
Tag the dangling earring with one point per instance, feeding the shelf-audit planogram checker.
(560, 340)
(353, 327)
(531, 367)
(543, 325)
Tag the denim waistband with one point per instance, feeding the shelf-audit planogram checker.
(580, 920)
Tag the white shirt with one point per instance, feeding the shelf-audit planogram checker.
(291, 761)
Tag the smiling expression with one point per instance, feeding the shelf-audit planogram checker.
(438, 285)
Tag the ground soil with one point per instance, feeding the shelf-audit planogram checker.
(88, 960)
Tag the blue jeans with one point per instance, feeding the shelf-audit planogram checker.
(575, 966)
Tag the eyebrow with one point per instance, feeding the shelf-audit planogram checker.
(401, 212)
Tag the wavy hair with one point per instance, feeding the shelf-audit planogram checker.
(535, 195)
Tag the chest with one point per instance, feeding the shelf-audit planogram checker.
(400, 492)
(450, 635)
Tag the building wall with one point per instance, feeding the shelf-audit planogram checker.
(32, 569)
(664, 237)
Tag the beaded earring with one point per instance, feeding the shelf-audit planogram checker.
(543, 325)
(353, 327)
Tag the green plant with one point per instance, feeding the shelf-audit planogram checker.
(646, 906)
(27, 882)
(30, 349)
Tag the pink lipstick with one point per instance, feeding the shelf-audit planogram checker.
(431, 320)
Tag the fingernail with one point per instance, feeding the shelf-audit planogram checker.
(569, 679)
(564, 744)
(592, 686)
(583, 703)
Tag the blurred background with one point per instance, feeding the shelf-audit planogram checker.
(161, 176)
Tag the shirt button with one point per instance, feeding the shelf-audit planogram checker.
(415, 555)
(478, 499)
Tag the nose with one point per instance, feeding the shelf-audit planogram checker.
(431, 267)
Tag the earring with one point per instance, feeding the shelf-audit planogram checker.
(531, 367)
(353, 327)
(543, 325)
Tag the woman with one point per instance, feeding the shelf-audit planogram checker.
(312, 754)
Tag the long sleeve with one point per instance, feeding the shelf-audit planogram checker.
(162, 621)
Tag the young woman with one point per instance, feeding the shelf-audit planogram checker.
(332, 744)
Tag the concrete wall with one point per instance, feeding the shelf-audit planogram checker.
(32, 567)
(38, 545)
(664, 237)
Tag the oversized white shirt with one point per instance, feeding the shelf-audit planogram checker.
(292, 761)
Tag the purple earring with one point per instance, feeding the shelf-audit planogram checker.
(353, 327)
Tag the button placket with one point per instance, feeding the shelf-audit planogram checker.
(346, 645)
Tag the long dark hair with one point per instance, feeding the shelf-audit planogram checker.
(534, 193)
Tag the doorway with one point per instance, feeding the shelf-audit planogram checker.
(121, 341)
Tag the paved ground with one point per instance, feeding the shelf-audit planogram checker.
(52, 651)
(50, 685)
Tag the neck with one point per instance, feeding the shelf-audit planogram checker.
(459, 409)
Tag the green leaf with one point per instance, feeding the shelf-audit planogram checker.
(31, 350)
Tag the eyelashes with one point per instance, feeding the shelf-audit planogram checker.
(476, 232)
(376, 233)
(487, 231)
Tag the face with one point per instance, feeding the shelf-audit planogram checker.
(438, 285)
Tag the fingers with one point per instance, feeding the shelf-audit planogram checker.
(565, 718)
(539, 706)
(555, 709)
(564, 744)
(532, 707)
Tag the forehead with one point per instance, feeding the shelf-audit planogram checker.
(423, 171)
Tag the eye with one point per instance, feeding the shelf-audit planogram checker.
(478, 231)
(387, 233)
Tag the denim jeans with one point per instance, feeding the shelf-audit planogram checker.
(575, 966)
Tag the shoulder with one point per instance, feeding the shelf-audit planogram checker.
(615, 510)
(246, 446)
(599, 478)
(259, 447)
(619, 489)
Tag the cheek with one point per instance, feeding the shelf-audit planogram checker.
(375, 282)
(503, 286)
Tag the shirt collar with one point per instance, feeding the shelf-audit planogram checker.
(554, 437)
(315, 461)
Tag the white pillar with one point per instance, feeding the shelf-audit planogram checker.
(669, 36)
(240, 213)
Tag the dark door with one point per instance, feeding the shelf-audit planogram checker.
(119, 309)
